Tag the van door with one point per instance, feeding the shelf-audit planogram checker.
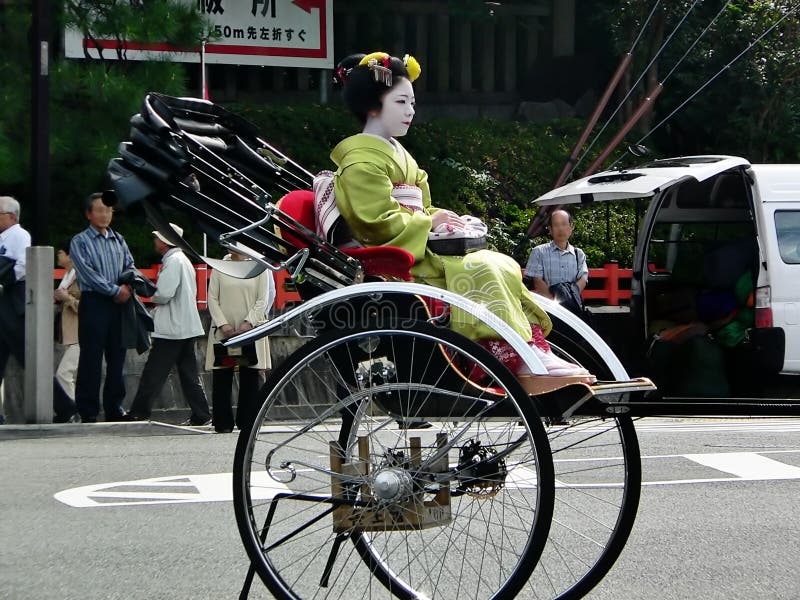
(670, 256)
(652, 180)
(784, 271)
(777, 195)
(640, 182)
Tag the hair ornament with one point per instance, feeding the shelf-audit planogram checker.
(340, 75)
(345, 68)
(413, 67)
(379, 63)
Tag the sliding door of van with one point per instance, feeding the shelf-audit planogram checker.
(784, 248)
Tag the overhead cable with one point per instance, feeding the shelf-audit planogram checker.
(633, 87)
(727, 66)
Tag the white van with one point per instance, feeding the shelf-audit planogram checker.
(715, 306)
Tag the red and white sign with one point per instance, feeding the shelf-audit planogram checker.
(281, 33)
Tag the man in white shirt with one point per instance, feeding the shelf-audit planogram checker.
(13, 242)
(176, 325)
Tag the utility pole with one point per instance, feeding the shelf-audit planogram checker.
(40, 120)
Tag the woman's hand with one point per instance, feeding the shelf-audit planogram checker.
(60, 295)
(245, 326)
(446, 217)
(227, 331)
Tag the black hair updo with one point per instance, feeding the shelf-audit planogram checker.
(367, 78)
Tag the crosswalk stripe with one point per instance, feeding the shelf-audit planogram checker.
(747, 465)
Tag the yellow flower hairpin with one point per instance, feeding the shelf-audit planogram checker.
(412, 66)
(379, 62)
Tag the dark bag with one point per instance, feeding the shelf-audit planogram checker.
(569, 296)
(140, 284)
(241, 356)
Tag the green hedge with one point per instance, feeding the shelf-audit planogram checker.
(491, 169)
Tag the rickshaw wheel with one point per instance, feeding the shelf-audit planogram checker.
(598, 476)
(332, 495)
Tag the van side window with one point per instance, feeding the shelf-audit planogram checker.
(787, 225)
(680, 249)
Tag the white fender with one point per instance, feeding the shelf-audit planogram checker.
(504, 331)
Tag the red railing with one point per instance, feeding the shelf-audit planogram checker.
(608, 284)
(201, 276)
(284, 291)
(610, 292)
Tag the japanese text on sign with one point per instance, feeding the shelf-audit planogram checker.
(293, 33)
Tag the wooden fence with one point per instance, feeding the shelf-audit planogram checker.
(467, 58)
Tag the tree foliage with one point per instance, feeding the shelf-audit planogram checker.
(91, 100)
(488, 168)
(750, 108)
(491, 169)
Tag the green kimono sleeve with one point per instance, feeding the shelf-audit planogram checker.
(421, 182)
(363, 196)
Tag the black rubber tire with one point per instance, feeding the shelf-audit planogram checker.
(328, 343)
(620, 432)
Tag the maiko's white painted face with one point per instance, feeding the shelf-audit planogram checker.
(398, 111)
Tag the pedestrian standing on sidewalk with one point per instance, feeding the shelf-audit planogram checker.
(100, 255)
(14, 241)
(176, 326)
(237, 305)
(558, 268)
(67, 297)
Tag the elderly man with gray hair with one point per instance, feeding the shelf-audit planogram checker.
(13, 242)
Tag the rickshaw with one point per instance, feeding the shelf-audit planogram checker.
(391, 456)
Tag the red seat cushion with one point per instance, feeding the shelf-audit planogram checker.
(379, 260)
(299, 204)
(389, 261)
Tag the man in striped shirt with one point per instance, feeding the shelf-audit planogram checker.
(100, 255)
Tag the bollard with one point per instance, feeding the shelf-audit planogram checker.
(612, 283)
(202, 276)
(39, 334)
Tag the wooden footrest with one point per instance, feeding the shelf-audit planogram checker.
(588, 399)
(541, 384)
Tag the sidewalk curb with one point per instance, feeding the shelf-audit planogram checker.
(58, 430)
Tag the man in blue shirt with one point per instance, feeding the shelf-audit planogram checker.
(100, 256)
(557, 261)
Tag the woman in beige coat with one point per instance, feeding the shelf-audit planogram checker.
(67, 295)
(237, 305)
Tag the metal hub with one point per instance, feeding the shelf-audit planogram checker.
(391, 485)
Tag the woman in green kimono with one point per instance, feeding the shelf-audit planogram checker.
(385, 200)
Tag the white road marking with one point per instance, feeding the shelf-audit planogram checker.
(722, 426)
(747, 465)
(217, 487)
